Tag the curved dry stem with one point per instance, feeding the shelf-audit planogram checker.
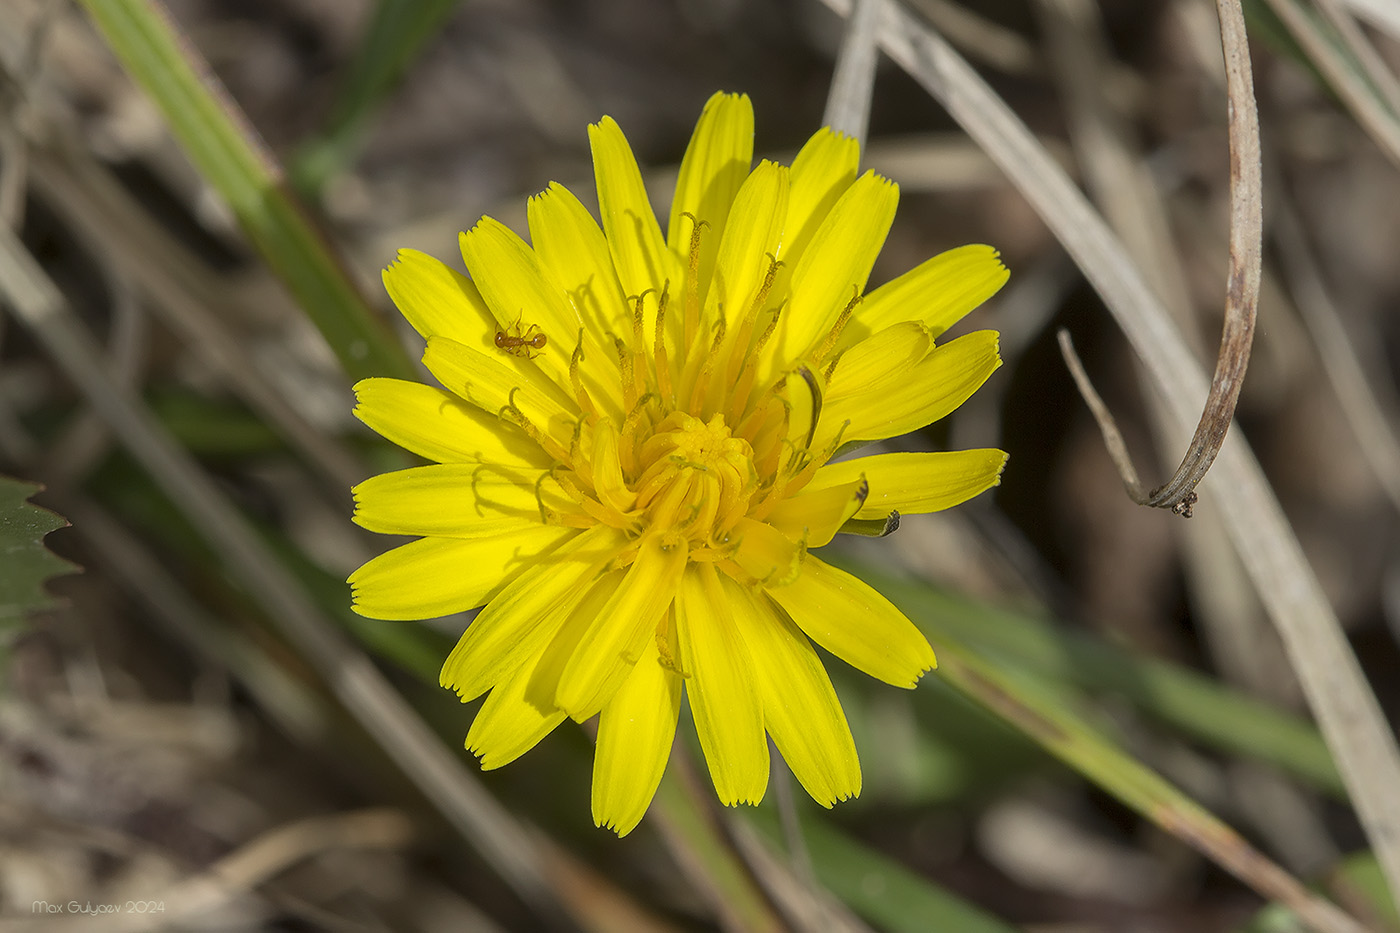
(1108, 427)
(1246, 258)
(1336, 687)
(1241, 296)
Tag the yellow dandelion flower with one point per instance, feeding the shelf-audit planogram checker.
(632, 458)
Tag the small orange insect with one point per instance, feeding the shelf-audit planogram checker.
(520, 343)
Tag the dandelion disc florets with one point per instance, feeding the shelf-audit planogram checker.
(632, 458)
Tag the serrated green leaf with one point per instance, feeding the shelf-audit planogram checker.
(25, 564)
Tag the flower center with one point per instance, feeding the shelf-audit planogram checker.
(706, 440)
(696, 478)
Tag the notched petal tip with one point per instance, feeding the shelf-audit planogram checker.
(750, 800)
(933, 666)
(838, 136)
(1001, 469)
(614, 826)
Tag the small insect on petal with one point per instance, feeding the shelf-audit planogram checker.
(519, 343)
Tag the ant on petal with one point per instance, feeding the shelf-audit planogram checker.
(521, 343)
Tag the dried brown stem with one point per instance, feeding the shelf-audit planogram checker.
(1241, 297)
(1336, 687)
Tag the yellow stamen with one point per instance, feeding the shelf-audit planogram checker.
(692, 281)
(702, 380)
(639, 365)
(834, 334)
(663, 366)
(511, 412)
(585, 404)
(739, 398)
(741, 338)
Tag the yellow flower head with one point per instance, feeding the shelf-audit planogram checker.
(631, 458)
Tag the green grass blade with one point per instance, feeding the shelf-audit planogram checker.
(229, 155)
(392, 39)
(1357, 882)
(681, 813)
(1200, 707)
(1043, 715)
(877, 887)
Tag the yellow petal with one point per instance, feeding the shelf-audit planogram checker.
(847, 617)
(800, 708)
(936, 293)
(833, 270)
(815, 514)
(563, 643)
(821, 173)
(519, 295)
(439, 426)
(937, 385)
(436, 299)
(719, 686)
(574, 256)
(881, 362)
(765, 553)
(608, 481)
(614, 640)
(511, 721)
(635, 732)
(494, 386)
(524, 616)
(634, 236)
(458, 500)
(913, 483)
(714, 166)
(749, 245)
(434, 577)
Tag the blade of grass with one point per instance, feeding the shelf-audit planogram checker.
(1338, 694)
(681, 813)
(182, 292)
(853, 80)
(804, 905)
(1369, 409)
(229, 155)
(1191, 702)
(877, 887)
(355, 681)
(392, 37)
(1346, 76)
(1041, 715)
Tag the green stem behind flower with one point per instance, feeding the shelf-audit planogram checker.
(394, 34)
(1042, 715)
(229, 155)
(1198, 706)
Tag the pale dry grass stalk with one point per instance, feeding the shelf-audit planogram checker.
(1371, 112)
(1345, 707)
(1118, 178)
(1373, 426)
(853, 80)
(351, 676)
